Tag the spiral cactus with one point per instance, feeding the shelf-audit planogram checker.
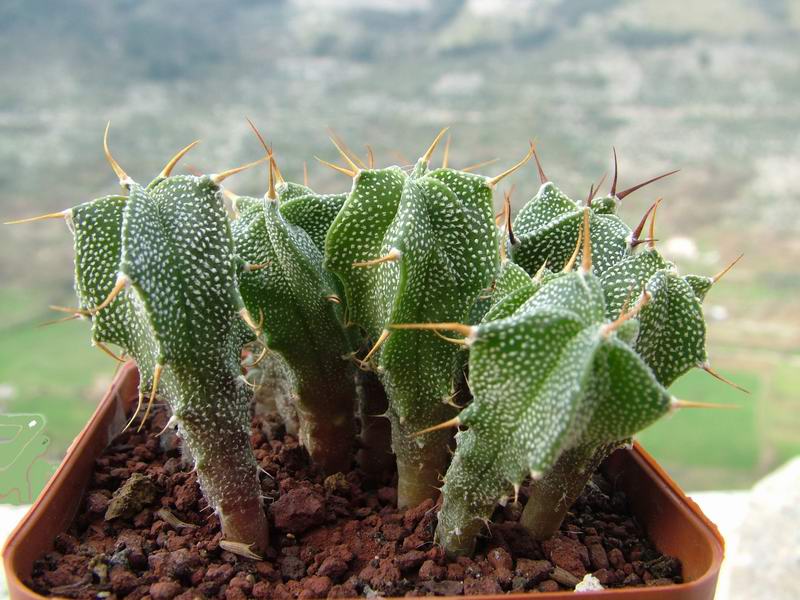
(299, 299)
(413, 248)
(567, 324)
(155, 270)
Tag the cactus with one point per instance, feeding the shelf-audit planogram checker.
(554, 375)
(563, 371)
(563, 366)
(413, 248)
(315, 213)
(301, 306)
(155, 271)
(670, 338)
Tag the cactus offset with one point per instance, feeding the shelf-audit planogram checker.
(668, 334)
(553, 379)
(302, 314)
(409, 249)
(617, 379)
(156, 272)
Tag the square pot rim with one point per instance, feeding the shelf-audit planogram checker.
(109, 417)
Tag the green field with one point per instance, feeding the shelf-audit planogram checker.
(51, 370)
(707, 448)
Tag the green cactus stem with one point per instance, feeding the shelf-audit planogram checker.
(156, 272)
(302, 310)
(414, 248)
(554, 376)
(552, 495)
(664, 331)
(670, 339)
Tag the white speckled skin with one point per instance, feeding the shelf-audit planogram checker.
(544, 379)
(441, 224)
(672, 328)
(553, 394)
(546, 229)
(172, 241)
(291, 291)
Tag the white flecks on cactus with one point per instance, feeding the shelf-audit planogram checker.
(672, 331)
(291, 291)
(440, 225)
(544, 379)
(312, 212)
(546, 230)
(179, 320)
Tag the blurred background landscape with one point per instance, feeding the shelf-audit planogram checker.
(711, 87)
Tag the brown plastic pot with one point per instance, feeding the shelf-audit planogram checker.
(674, 523)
